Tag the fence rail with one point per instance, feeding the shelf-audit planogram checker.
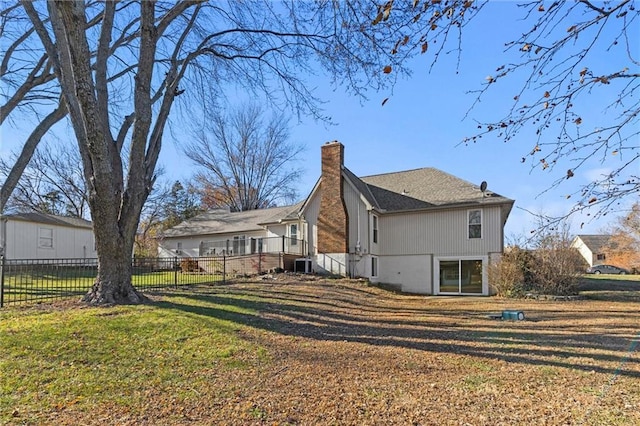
(31, 280)
(242, 245)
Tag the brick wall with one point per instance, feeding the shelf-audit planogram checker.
(333, 222)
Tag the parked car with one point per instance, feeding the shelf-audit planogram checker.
(606, 269)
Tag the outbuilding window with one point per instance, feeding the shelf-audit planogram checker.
(45, 238)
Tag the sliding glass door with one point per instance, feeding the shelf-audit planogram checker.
(460, 276)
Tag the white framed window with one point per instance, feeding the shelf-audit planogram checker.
(45, 238)
(239, 244)
(474, 220)
(460, 275)
(293, 234)
(374, 266)
(375, 228)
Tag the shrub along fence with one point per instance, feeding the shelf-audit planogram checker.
(36, 280)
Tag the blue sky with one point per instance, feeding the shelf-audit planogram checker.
(422, 126)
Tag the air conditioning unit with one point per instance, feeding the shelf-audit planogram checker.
(302, 266)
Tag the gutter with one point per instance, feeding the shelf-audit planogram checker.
(467, 204)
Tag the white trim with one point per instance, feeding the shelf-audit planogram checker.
(293, 237)
(375, 228)
(436, 274)
(468, 224)
(48, 238)
(374, 259)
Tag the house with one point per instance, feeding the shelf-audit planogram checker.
(272, 234)
(422, 231)
(44, 236)
(592, 247)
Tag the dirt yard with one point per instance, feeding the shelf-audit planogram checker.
(345, 353)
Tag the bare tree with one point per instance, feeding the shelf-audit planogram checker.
(166, 206)
(244, 162)
(557, 61)
(118, 68)
(53, 182)
(623, 248)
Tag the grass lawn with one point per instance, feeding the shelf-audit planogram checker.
(55, 284)
(324, 352)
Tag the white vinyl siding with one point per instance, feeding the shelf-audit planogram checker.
(30, 240)
(441, 232)
(311, 216)
(358, 214)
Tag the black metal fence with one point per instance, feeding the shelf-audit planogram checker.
(31, 280)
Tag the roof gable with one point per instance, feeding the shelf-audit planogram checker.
(595, 243)
(223, 221)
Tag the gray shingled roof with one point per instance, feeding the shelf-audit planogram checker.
(425, 188)
(50, 219)
(219, 221)
(595, 242)
(409, 190)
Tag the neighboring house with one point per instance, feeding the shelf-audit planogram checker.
(592, 247)
(44, 236)
(422, 231)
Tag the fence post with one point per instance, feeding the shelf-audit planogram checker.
(259, 259)
(1, 281)
(224, 268)
(175, 271)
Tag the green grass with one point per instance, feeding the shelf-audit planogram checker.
(68, 282)
(611, 287)
(611, 277)
(53, 359)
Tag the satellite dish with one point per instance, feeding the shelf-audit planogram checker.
(483, 187)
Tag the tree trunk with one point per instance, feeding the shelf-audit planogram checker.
(113, 283)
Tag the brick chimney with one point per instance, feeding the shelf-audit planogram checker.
(333, 221)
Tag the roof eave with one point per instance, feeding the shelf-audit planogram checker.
(450, 206)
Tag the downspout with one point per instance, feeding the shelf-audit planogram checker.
(3, 236)
(358, 248)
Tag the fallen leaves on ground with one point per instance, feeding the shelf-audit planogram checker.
(343, 352)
